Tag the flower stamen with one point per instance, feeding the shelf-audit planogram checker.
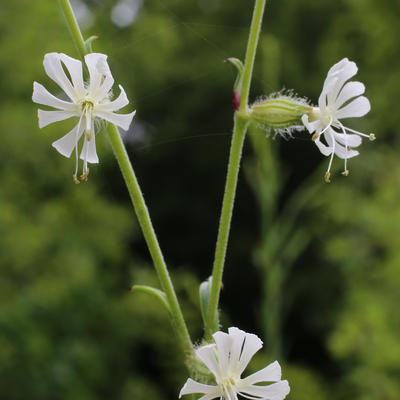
(328, 173)
(75, 179)
(84, 176)
(318, 134)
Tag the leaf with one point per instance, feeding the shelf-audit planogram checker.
(158, 294)
(237, 87)
(88, 43)
(240, 68)
(204, 292)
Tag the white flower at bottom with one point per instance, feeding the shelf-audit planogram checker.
(226, 360)
(90, 102)
(338, 100)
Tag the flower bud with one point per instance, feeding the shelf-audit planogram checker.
(280, 112)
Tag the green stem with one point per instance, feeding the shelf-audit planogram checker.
(255, 30)
(239, 133)
(139, 205)
(73, 27)
(143, 216)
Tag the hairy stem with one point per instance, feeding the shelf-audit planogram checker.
(252, 43)
(139, 205)
(73, 27)
(239, 133)
(143, 216)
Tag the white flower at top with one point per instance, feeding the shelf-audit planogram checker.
(90, 102)
(338, 100)
(226, 360)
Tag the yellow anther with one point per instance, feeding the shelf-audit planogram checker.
(315, 136)
(372, 137)
(84, 176)
(75, 179)
(345, 173)
(328, 177)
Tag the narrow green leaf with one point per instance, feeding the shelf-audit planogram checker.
(240, 68)
(88, 43)
(158, 294)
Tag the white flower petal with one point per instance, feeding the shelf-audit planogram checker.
(275, 391)
(115, 105)
(312, 126)
(357, 108)
(48, 117)
(349, 90)
(96, 75)
(252, 344)
(67, 143)
(238, 337)
(342, 153)
(338, 66)
(42, 96)
(325, 150)
(224, 343)
(350, 140)
(210, 396)
(348, 69)
(98, 69)
(121, 120)
(74, 68)
(108, 81)
(329, 84)
(271, 373)
(207, 355)
(54, 69)
(193, 387)
(90, 147)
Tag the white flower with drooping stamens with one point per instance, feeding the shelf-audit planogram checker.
(90, 102)
(338, 100)
(226, 360)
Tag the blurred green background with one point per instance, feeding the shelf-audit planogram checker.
(312, 268)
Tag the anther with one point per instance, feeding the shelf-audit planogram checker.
(328, 177)
(315, 136)
(345, 172)
(372, 137)
(84, 176)
(75, 179)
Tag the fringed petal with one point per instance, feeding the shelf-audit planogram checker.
(42, 96)
(271, 373)
(88, 152)
(193, 387)
(349, 90)
(275, 391)
(357, 108)
(68, 142)
(121, 120)
(115, 105)
(54, 69)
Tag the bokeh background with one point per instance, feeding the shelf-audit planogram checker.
(312, 268)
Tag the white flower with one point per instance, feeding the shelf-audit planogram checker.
(338, 100)
(226, 360)
(90, 102)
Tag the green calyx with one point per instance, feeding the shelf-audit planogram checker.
(279, 112)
